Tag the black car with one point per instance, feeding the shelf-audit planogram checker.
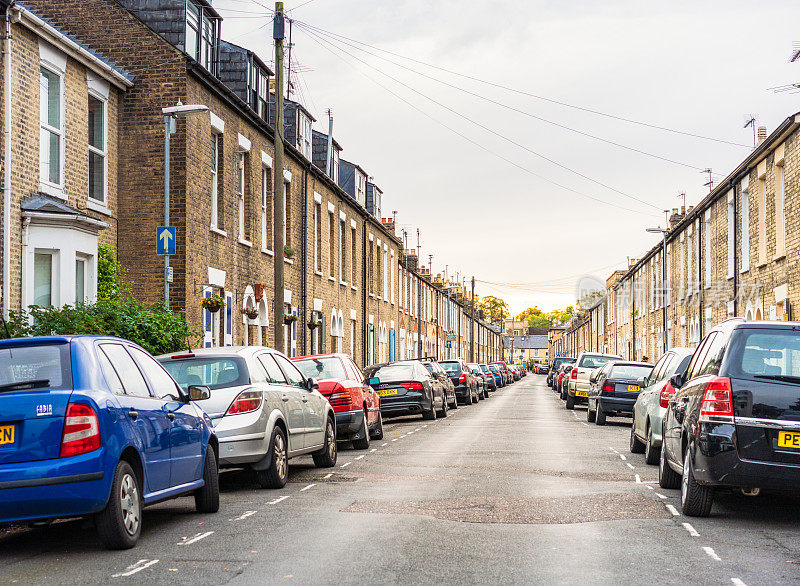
(432, 365)
(613, 389)
(734, 421)
(407, 388)
(465, 382)
(485, 382)
(553, 373)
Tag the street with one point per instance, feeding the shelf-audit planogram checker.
(514, 490)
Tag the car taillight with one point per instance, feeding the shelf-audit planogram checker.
(608, 388)
(340, 399)
(412, 386)
(573, 374)
(246, 402)
(81, 431)
(462, 379)
(718, 398)
(666, 395)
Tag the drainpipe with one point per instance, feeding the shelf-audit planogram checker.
(304, 282)
(7, 164)
(364, 287)
(735, 254)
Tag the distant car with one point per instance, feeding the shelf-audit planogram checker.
(509, 378)
(433, 367)
(554, 369)
(407, 388)
(614, 389)
(563, 380)
(499, 379)
(489, 377)
(734, 421)
(578, 383)
(355, 404)
(94, 426)
(483, 379)
(651, 404)
(465, 382)
(264, 410)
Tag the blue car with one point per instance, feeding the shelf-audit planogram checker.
(94, 426)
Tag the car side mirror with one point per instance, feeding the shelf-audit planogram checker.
(677, 380)
(312, 384)
(642, 381)
(199, 393)
(373, 381)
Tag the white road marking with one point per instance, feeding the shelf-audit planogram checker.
(629, 465)
(345, 465)
(661, 496)
(638, 480)
(426, 425)
(417, 429)
(196, 538)
(359, 457)
(692, 531)
(673, 510)
(613, 450)
(395, 439)
(244, 516)
(712, 554)
(305, 488)
(623, 458)
(373, 450)
(134, 568)
(648, 487)
(738, 582)
(279, 499)
(586, 424)
(384, 444)
(328, 475)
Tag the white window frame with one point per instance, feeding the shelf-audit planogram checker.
(45, 185)
(241, 180)
(102, 153)
(215, 137)
(304, 135)
(391, 284)
(266, 170)
(317, 231)
(342, 249)
(353, 256)
(332, 227)
(780, 208)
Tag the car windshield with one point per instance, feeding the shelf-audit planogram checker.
(493, 368)
(766, 354)
(451, 367)
(629, 371)
(330, 367)
(594, 361)
(214, 372)
(559, 361)
(35, 366)
(429, 367)
(485, 368)
(395, 372)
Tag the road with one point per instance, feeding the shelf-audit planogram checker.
(515, 489)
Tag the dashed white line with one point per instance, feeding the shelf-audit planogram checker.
(395, 439)
(738, 582)
(712, 554)
(328, 475)
(384, 444)
(692, 531)
(629, 465)
(661, 496)
(373, 450)
(244, 515)
(623, 458)
(426, 425)
(359, 457)
(417, 429)
(638, 480)
(134, 568)
(279, 499)
(648, 487)
(613, 450)
(345, 465)
(673, 510)
(305, 488)
(584, 423)
(196, 538)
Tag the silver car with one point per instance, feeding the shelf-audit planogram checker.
(264, 411)
(651, 404)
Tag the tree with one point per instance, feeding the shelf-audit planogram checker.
(494, 308)
(535, 317)
(529, 313)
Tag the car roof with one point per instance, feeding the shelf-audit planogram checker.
(332, 355)
(630, 363)
(226, 351)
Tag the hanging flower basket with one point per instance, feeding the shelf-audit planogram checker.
(258, 291)
(213, 303)
(250, 312)
(289, 319)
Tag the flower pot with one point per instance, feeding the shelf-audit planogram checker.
(213, 308)
(250, 313)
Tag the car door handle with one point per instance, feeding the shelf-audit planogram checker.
(305, 400)
(171, 416)
(285, 399)
(133, 414)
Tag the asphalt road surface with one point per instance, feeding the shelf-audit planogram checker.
(515, 489)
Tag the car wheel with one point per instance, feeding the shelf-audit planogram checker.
(479, 395)
(667, 477)
(326, 458)
(119, 524)
(377, 433)
(590, 414)
(563, 394)
(485, 393)
(206, 500)
(278, 472)
(570, 402)
(455, 402)
(651, 453)
(362, 442)
(600, 418)
(443, 412)
(431, 414)
(696, 500)
(637, 447)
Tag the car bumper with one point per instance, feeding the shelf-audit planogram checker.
(408, 404)
(462, 392)
(68, 487)
(618, 405)
(348, 424)
(573, 392)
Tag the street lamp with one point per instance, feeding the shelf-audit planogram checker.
(664, 293)
(171, 116)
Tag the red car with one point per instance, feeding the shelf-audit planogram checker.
(355, 404)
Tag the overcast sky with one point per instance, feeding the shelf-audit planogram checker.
(699, 67)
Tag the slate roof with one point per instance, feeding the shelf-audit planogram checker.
(526, 342)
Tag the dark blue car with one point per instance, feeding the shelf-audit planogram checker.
(95, 426)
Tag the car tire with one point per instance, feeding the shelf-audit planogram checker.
(278, 472)
(377, 433)
(651, 452)
(600, 418)
(206, 499)
(667, 477)
(479, 395)
(563, 394)
(570, 402)
(362, 443)
(636, 445)
(326, 458)
(696, 500)
(443, 412)
(485, 393)
(590, 414)
(431, 414)
(455, 402)
(119, 524)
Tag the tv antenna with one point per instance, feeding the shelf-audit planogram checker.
(751, 121)
(710, 182)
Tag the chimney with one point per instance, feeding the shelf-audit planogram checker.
(676, 218)
(762, 134)
(690, 209)
(683, 210)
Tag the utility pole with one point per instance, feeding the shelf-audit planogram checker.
(289, 63)
(279, 217)
(472, 324)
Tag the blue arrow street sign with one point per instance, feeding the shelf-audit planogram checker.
(165, 240)
(448, 344)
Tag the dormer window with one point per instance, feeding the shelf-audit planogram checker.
(258, 89)
(201, 34)
(304, 135)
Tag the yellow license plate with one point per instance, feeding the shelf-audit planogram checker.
(384, 392)
(633, 388)
(6, 434)
(788, 439)
(581, 393)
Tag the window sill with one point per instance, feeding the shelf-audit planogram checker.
(779, 256)
(267, 251)
(96, 206)
(343, 283)
(216, 230)
(353, 287)
(743, 271)
(372, 295)
(55, 191)
(288, 261)
(318, 273)
(332, 279)
(729, 277)
(708, 286)
(762, 264)
(244, 242)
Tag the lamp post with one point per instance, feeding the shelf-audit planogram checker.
(664, 293)
(171, 116)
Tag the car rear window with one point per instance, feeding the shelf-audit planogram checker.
(451, 367)
(765, 353)
(45, 366)
(395, 372)
(559, 361)
(330, 367)
(213, 372)
(590, 361)
(629, 371)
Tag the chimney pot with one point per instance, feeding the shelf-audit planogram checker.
(683, 210)
(762, 134)
(674, 211)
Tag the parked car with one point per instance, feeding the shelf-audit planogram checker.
(356, 405)
(484, 384)
(499, 379)
(465, 382)
(554, 369)
(734, 421)
(489, 377)
(578, 382)
(648, 411)
(433, 366)
(94, 426)
(406, 388)
(506, 372)
(541, 369)
(614, 388)
(263, 409)
(563, 379)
